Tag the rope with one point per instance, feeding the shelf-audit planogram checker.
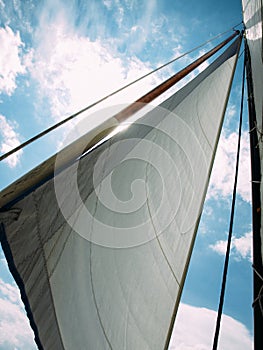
(223, 286)
(55, 126)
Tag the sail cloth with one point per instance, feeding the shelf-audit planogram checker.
(100, 251)
(252, 15)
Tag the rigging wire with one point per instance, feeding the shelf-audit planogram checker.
(72, 116)
(223, 285)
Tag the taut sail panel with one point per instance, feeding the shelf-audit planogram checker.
(101, 250)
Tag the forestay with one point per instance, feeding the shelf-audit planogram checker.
(100, 252)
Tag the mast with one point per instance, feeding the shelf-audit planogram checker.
(256, 207)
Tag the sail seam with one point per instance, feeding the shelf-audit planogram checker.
(130, 312)
(154, 228)
(200, 124)
(45, 267)
(90, 265)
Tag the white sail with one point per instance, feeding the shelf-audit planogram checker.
(101, 259)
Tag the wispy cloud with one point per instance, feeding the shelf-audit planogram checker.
(9, 139)
(241, 247)
(83, 51)
(194, 330)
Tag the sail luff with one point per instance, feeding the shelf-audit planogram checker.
(231, 223)
(170, 330)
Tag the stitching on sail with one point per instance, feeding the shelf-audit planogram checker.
(128, 308)
(52, 270)
(199, 120)
(127, 321)
(28, 257)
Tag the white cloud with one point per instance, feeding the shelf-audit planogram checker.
(222, 178)
(219, 247)
(194, 330)
(243, 245)
(10, 139)
(10, 292)
(11, 64)
(241, 248)
(14, 326)
(74, 71)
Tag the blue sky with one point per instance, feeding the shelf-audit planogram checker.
(59, 56)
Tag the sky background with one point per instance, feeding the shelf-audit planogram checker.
(58, 57)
